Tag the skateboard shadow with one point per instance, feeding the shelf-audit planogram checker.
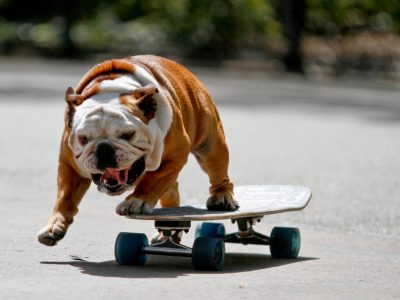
(173, 267)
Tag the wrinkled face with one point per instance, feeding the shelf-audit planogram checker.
(111, 145)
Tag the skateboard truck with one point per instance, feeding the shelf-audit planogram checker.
(172, 225)
(170, 245)
(246, 234)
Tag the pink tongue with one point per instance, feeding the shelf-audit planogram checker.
(118, 175)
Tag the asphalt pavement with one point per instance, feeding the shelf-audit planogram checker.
(339, 137)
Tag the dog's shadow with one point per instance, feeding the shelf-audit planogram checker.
(172, 267)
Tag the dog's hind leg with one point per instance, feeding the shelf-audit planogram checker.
(171, 197)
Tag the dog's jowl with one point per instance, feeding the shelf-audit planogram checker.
(130, 125)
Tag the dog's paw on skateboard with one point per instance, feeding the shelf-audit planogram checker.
(50, 234)
(133, 206)
(222, 202)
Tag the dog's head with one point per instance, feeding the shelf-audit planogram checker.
(112, 137)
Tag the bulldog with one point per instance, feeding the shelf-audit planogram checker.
(130, 124)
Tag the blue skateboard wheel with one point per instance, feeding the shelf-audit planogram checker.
(285, 242)
(210, 230)
(128, 248)
(208, 254)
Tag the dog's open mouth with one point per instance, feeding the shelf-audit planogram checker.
(114, 181)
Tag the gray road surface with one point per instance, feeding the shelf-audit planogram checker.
(341, 139)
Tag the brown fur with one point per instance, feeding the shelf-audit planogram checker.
(105, 69)
(141, 103)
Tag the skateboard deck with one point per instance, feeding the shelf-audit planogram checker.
(254, 200)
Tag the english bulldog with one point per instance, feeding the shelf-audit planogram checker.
(130, 124)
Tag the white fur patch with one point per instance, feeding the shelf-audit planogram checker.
(141, 78)
(123, 84)
(164, 111)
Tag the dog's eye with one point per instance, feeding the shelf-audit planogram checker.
(127, 136)
(83, 140)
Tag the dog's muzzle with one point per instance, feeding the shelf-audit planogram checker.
(114, 180)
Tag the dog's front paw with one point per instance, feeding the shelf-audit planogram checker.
(50, 234)
(133, 206)
(222, 201)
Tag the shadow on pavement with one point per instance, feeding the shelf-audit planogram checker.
(172, 267)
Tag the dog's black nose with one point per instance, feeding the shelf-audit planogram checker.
(105, 154)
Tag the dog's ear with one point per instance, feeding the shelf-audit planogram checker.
(72, 98)
(145, 101)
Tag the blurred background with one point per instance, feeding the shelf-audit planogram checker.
(303, 36)
(308, 91)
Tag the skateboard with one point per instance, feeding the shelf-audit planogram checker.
(208, 251)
